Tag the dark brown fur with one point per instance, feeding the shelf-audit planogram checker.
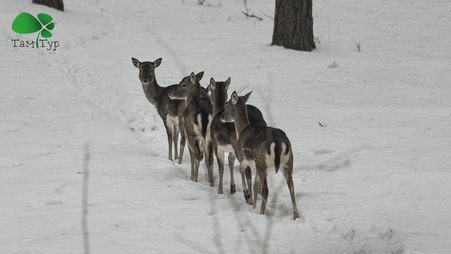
(254, 148)
(197, 106)
(158, 96)
(224, 134)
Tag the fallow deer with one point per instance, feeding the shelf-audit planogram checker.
(260, 148)
(167, 108)
(196, 120)
(223, 135)
(181, 111)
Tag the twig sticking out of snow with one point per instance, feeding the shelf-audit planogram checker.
(208, 4)
(357, 45)
(84, 200)
(241, 89)
(247, 14)
(216, 224)
(322, 124)
(252, 16)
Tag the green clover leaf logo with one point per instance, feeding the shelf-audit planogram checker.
(25, 23)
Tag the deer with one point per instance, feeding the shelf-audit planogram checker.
(181, 111)
(260, 148)
(223, 134)
(196, 120)
(167, 109)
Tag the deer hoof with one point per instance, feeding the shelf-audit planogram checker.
(296, 215)
(247, 197)
(232, 188)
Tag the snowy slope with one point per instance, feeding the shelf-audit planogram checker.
(374, 180)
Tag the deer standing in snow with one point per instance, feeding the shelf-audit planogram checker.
(167, 108)
(223, 135)
(260, 148)
(196, 120)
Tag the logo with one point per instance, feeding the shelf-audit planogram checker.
(25, 23)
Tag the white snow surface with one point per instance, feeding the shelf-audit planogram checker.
(375, 179)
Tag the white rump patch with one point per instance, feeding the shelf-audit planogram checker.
(271, 156)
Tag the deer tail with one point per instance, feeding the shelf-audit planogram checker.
(204, 120)
(277, 155)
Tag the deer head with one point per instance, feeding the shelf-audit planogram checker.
(146, 70)
(234, 107)
(217, 92)
(189, 85)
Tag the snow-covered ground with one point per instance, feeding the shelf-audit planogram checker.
(375, 179)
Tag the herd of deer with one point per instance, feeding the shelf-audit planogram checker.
(211, 124)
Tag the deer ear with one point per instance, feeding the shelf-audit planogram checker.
(227, 83)
(199, 75)
(246, 96)
(192, 77)
(212, 83)
(234, 98)
(157, 62)
(136, 62)
(209, 90)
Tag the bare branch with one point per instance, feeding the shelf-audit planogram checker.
(84, 200)
(251, 15)
(245, 6)
(216, 225)
(357, 45)
(247, 14)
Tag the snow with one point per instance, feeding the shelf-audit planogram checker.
(374, 179)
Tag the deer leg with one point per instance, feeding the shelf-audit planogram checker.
(232, 158)
(169, 134)
(256, 190)
(261, 171)
(220, 159)
(175, 137)
(196, 169)
(209, 161)
(182, 140)
(197, 156)
(247, 197)
(248, 174)
(288, 176)
(191, 156)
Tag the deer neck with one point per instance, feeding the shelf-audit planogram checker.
(153, 92)
(241, 119)
(193, 95)
(219, 103)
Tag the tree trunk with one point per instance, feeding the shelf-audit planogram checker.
(57, 4)
(293, 25)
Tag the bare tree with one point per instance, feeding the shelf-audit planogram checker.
(293, 25)
(57, 4)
